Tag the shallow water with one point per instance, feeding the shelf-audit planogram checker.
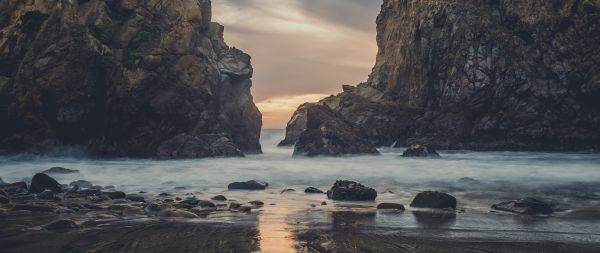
(570, 180)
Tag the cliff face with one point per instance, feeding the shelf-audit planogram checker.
(482, 74)
(123, 77)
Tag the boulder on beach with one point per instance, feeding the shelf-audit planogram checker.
(248, 185)
(434, 199)
(41, 182)
(418, 150)
(312, 190)
(351, 191)
(392, 206)
(529, 206)
(59, 170)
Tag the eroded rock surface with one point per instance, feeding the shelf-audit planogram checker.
(351, 191)
(492, 75)
(121, 78)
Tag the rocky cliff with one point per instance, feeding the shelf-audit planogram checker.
(480, 74)
(142, 78)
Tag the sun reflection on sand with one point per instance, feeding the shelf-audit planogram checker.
(275, 235)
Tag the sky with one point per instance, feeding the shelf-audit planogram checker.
(302, 50)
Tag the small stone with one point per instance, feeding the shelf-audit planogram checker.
(257, 203)
(234, 205)
(219, 198)
(287, 190)
(115, 195)
(248, 185)
(63, 224)
(164, 194)
(204, 203)
(81, 184)
(391, 206)
(312, 190)
(245, 209)
(135, 198)
(323, 203)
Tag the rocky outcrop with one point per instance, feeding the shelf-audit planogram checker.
(483, 75)
(122, 78)
(420, 151)
(328, 134)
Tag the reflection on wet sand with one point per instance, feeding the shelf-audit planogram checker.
(275, 235)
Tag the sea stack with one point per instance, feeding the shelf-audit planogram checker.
(481, 75)
(123, 78)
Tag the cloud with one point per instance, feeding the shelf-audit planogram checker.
(302, 46)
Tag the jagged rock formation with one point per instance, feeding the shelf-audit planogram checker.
(487, 74)
(121, 78)
(328, 134)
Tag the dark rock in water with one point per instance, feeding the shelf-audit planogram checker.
(17, 187)
(127, 85)
(81, 184)
(59, 170)
(351, 191)
(245, 209)
(46, 194)
(394, 206)
(328, 134)
(63, 224)
(98, 198)
(175, 213)
(164, 194)
(219, 198)
(433, 199)
(529, 206)
(34, 208)
(190, 201)
(312, 190)
(234, 205)
(115, 195)
(420, 151)
(134, 198)
(257, 203)
(152, 207)
(41, 182)
(198, 146)
(248, 185)
(323, 203)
